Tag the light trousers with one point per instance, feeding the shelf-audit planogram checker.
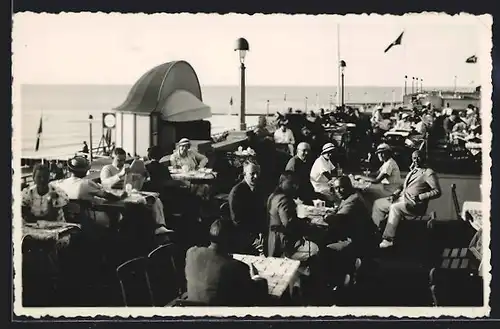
(395, 211)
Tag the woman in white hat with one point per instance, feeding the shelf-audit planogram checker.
(184, 157)
(323, 171)
(388, 178)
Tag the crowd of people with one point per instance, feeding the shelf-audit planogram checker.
(263, 221)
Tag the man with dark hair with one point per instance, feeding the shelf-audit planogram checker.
(450, 122)
(112, 175)
(214, 277)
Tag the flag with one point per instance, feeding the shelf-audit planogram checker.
(38, 135)
(472, 59)
(231, 101)
(395, 43)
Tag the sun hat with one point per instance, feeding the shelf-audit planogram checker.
(78, 164)
(327, 148)
(405, 115)
(184, 141)
(383, 147)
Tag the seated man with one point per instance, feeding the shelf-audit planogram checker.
(301, 165)
(351, 229)
(184, 157)
(247, 210)
(113, 176)
(77, 187)
(215, 278)
(42, 201)
(283, 137)
(420, 186)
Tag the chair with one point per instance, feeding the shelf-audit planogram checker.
(163, 275)
(134, 282)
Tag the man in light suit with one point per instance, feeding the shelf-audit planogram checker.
(420, 186)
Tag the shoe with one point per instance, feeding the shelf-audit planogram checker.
(386, 244)
(357, 264)
(162, 230)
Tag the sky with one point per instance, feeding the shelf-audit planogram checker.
(301, 50)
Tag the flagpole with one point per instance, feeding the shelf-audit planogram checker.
(338, 64)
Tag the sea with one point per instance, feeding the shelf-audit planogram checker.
(64, 109)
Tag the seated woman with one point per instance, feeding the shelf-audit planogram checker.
(323, 171)
(388, 177)
(42, 201)
(184, 157)
(404, 123)
(285, 237)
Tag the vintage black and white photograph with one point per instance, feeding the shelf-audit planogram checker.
(232, 165)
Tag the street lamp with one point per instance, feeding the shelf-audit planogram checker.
(421, 85)
(90, 137)
(412, 85)
(342, 68)
(242, 47)
(406, 77)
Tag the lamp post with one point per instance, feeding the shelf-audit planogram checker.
(242, 47)
(267, 109)
(306, 103)
(342, 69)
(421, 84)
(406, 78)
(412, 85)
(90, 138)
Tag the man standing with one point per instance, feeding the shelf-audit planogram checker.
(247, 210)
(420, 186)
(301, 166)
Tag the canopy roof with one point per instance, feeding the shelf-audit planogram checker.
(153, 92)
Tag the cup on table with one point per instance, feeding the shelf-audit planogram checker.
(319, 203)
(128, 188)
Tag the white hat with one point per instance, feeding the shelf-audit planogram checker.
(184, 141)
(405, 115)
(327, 148)
(383, 147)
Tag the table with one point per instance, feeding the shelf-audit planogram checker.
(49, 231)
(315, 214)
(473, 147)
(132, 198)
(197, 175)
(474, 209)
(280, 273)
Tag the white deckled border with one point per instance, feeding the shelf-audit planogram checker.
(485, 62)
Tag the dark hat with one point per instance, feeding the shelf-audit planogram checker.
(78, 164)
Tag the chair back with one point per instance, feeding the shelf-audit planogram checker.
(456, 204)
(79, 212)
(163, 275)
(225, 213)
(134, 282)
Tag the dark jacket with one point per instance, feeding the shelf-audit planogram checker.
(217, 279)
(285, 228)
(303, 171)
(159, 176)
(352, 220)
(247, 209)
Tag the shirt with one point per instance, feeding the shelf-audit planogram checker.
(318, 180)
(109, 177)
(39, 204)
(79, 188)
(391, 169)
(193, 160)
(284, 137)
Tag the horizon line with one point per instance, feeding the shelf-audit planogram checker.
(253, 85)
